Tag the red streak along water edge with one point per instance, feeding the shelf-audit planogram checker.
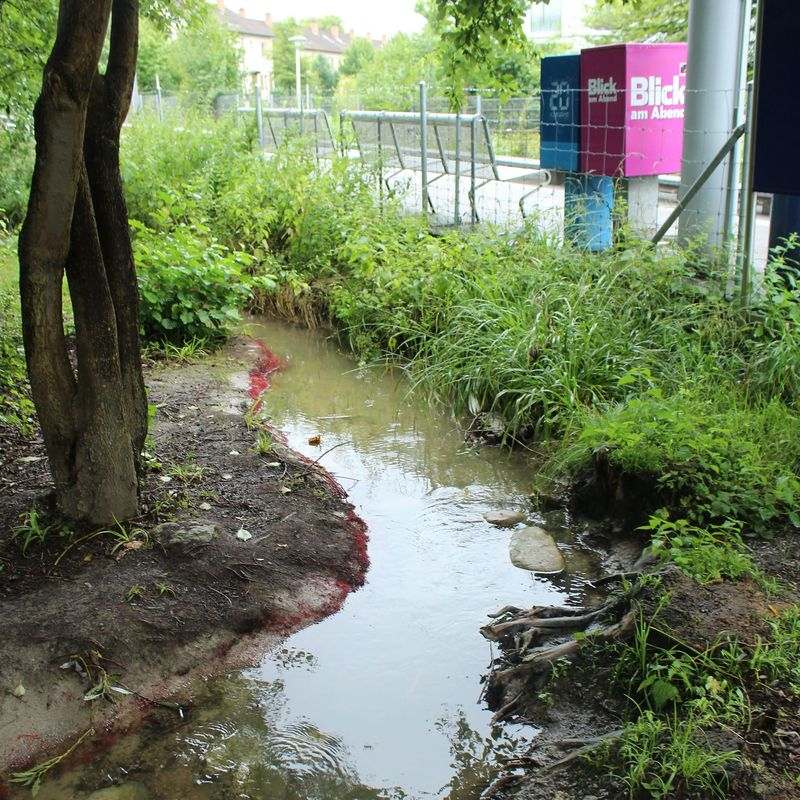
(267, 364)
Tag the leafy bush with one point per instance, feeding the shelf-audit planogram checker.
(711, 454)
(16, 407)
(16, 156)
(190, 286)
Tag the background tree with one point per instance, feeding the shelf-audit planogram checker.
(201, 59)
(391, 78)
(321, 76)
(643, 21)
(358, 54)
(283, 64)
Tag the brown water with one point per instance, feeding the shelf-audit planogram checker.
(380, 699)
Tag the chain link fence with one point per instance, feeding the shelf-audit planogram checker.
(480, 165)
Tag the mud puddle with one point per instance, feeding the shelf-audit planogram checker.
(380, 699)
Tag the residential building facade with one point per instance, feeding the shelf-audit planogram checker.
(257, 36)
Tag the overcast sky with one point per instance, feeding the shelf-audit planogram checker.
(364, 16)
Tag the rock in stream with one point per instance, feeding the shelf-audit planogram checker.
(535, 549)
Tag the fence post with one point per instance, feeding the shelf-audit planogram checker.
(457, 170)
(159, 109)
(423, 126)
(473, 157)
(259, 116)
(380, 166)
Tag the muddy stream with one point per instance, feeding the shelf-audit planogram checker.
(380, 699)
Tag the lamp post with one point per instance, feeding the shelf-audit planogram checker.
(297, 41)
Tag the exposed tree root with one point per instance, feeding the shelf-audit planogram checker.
(533, 641)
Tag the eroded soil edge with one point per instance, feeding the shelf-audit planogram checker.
(256, 545)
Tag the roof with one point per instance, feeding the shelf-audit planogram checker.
(317, 40)
(251, 27)
(325, 42)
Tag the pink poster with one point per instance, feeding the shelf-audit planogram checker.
(632, 107)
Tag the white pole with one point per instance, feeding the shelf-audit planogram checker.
(711, 83)
(297, 78)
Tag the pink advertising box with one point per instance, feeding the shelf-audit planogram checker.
(632, 105)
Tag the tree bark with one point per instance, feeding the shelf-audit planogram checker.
(93, 418)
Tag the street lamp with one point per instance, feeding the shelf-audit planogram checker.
(297, 41)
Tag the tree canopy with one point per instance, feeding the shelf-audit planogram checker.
(643, 21)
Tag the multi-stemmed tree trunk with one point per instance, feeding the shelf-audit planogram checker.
(94, 416)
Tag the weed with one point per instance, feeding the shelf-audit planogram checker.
(264, 443)
(187, 473)
(134, 593)
(668, 756)
(31, 530)
(127, 537)
(32, 778)
(165, 589)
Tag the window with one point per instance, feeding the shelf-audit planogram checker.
(546, 17)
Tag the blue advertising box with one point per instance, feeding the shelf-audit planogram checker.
(560, 123)
(777, 166)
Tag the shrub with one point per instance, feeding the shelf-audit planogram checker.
(191, 287)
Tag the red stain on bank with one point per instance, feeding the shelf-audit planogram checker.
(267, 364)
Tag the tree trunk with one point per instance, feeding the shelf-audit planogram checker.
(93, 418)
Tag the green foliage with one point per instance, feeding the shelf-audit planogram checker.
(705, 554)
(191, 287)
(665, 757)
(359, 53)
(390, 79)
(283, 57)
(622, 354)
(641, 21)
(16, 156)
(201, 60)
(472, 34)
(711, 454)
(682, 697)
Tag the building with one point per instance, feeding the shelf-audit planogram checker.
(559, 21)
(256, 38)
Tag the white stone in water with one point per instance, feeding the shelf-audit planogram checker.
(504, 519)
(535, 549)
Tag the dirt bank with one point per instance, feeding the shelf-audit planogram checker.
(580, 703)
(234, 550)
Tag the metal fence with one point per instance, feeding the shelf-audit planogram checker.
(479, 165)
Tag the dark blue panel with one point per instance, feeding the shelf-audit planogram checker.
(560, 113)
(777, 161)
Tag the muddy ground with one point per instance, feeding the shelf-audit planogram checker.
(234, 550)
(582, 704)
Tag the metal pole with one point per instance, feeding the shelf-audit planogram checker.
(259, 115)
(423, 132)
(750, 198)
(159, 109)
(457, 198)
(739, 116)
(698, 184)
(308, 95)
(380, 167)
(297, 77)
(472, 167)
(714, 41)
